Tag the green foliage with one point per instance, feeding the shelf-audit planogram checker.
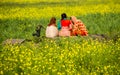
(62, 55)
(102, 24)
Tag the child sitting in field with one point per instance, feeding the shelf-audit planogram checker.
(64, 26)
(51, 30)
(78, 28)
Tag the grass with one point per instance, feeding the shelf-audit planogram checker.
(64, 55)
(107, 24)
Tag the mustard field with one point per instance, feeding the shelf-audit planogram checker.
(63, 55)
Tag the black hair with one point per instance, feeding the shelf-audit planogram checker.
(63, 15)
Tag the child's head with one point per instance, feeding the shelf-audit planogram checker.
(52, 21)
(73, 19)
(63, 15)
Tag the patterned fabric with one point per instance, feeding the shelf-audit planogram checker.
(78, 28)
